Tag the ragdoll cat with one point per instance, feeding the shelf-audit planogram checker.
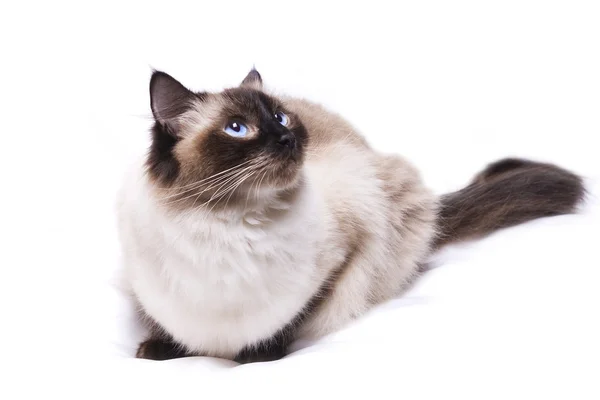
(256, 219)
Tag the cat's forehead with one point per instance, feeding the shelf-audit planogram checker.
(250, 100)
(215, 108)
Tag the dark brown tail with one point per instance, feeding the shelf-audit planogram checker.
(507, 193)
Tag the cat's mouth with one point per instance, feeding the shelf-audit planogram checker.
(290, 152)
(288, 156)
(283, 168)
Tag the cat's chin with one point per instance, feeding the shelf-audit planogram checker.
(283, 175)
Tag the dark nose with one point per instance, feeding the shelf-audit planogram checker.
(287, 140)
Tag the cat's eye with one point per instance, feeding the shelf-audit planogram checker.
(236, 129)
(281, 118)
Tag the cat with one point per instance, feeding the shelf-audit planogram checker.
(254, 220)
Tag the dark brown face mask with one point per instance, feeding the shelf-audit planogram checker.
(246, 132)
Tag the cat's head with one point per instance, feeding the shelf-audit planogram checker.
(229, 145)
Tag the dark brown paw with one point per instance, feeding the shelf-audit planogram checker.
(260, 355)
(160, 350)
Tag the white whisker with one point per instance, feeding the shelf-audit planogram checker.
(211, 184)
(222, 184)
(259, 184)
(193, 184)
(200, 185)
(237, 186)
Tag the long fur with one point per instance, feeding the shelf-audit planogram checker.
(236, 247)
(508, 192)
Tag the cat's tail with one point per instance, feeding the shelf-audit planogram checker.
(507, 193)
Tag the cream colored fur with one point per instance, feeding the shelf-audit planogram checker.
(223, 279)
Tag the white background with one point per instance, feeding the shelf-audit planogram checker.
(451, 85)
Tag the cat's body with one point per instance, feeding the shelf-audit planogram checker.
(302, 256)
(220, 282)
(228, 278)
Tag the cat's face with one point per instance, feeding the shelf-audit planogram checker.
(229, 145)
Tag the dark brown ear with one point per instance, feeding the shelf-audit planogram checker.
(253, 80)
(169, 99)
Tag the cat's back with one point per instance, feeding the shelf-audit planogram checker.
(340, 162)
(325, 127)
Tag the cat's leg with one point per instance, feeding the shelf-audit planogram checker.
(275, 347)
(159, 345)
(160, 350)
(267, 350)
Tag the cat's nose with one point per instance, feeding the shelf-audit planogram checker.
(288, 140)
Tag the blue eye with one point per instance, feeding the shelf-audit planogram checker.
(236, 129)
(281, 118)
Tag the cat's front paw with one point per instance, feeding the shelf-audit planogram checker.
(159, 350)
(260, 355)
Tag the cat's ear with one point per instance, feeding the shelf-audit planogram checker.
(169, 99)
(253, 80)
